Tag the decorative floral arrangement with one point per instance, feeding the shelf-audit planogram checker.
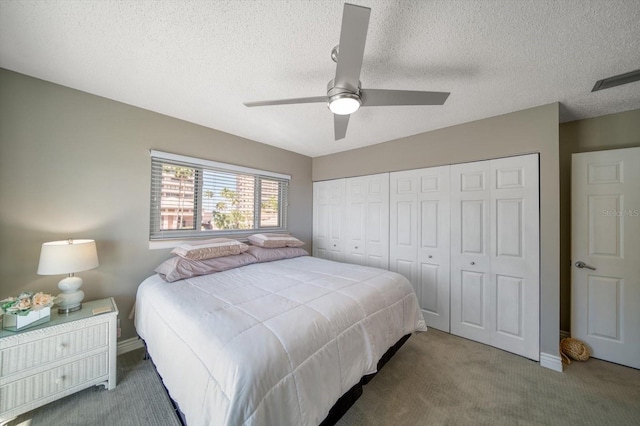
(26, 303)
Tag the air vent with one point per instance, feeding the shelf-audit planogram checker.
(617, 80)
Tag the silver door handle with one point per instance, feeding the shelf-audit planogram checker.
(581, 265)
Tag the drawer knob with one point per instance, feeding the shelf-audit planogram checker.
(61, 347)
(473, 263)
(60, 380)
(430, 256)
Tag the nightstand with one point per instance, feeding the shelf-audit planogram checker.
(52, 360)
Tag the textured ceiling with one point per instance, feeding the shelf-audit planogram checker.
(199, 61)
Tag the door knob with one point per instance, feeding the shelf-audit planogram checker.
(582, 265)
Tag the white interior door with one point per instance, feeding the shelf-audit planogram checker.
(403, 226)
(367, 213)
(356, 208)
(470, 246)
(434, 251)
(377, 221)
(419, 238)
(495, 284)
(515, 254)
(605, 237)
(328, 219)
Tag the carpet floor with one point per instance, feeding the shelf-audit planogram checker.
(139, 399)
(434, 379)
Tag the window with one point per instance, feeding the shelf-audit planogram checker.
(191, 197)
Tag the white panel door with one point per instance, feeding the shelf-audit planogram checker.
(515, 248)
(328, 219)
(403, 225)
(377, 221)
(419, 238)
(470, 251)
(434, 251)
(605, 300)
(367, 220)
(495, 283)
(356, 209)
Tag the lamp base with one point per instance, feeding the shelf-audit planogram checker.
(67, 311)
(70, 300)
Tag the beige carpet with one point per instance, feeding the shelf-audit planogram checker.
(139, 399)
(440, 379)
(434, 379)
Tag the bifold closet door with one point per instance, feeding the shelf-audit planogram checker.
(367, 220)
(495, 284)
(328, 219)
(419, 238)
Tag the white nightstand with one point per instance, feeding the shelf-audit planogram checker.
(67, 354)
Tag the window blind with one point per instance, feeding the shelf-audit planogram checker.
(191, 197)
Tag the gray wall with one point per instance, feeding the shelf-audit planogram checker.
(528, 131)
(75, 165)
(613, 131)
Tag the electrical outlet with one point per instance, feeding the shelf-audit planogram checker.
(118, 330)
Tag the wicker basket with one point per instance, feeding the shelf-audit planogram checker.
(573, 349)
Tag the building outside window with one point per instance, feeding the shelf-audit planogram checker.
(194, 197)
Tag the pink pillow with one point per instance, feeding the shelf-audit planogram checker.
(179, 268)
(262, 254)
(207, 249)
(274, 240)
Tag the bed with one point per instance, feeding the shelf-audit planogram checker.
(273, 342)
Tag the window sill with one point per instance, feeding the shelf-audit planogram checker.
(170, 243)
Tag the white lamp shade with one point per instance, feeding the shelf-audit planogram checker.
(67, 257)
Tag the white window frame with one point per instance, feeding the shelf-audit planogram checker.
(170, 238)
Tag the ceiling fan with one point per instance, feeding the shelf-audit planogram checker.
(344, 94)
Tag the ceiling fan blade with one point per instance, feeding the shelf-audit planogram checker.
(340, 123)
(287, 101)
(353, 35)
(380, 97)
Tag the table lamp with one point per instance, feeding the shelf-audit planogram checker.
(68, 257)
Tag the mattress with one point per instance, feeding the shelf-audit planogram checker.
(273, 343)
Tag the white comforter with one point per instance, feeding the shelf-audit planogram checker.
(272, 343)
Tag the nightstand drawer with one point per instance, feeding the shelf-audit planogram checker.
(51, 349)
(40, 386)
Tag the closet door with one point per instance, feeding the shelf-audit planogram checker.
(434, 251)
(495, 253)
(328, 219)
(419, 238)
(367, 219)
(470, 245)
(403, 226)
(515, 255)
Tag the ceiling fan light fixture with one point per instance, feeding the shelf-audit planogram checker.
(344, 103)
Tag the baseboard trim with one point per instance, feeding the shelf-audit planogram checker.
(564, 334)
(129, 345)
(552, 362)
